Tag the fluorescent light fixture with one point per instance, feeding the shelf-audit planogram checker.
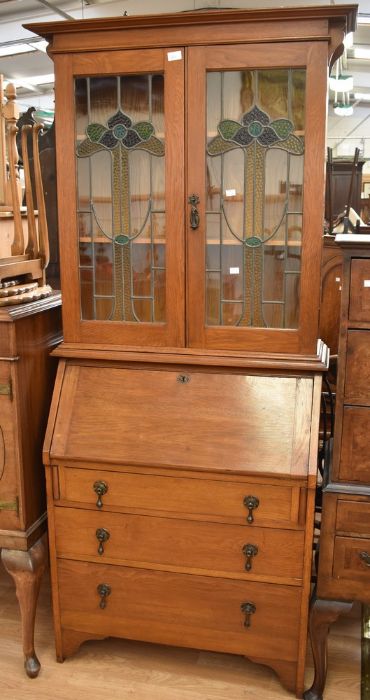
(342, 109)
(362, 96)
(12, 50)
(39, 45)
(363, 19)
(33, 81)
(348, 40)
(359, 52)
(343, 83)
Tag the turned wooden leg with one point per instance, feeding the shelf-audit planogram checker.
(27, 568)
(322, 614)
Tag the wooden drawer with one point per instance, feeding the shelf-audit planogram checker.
(355, 454)
(193, 419)
(357, 382)
(198, 547)
(353, 517)
(359, 304)
(196, 498)
(351, 560)
(172, 608)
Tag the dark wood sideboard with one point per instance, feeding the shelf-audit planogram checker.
(344, 559)
(28, 333)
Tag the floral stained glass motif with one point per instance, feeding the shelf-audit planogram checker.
(120, 137)
(256, 134)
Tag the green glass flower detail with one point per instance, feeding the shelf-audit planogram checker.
(120, 131)
(255, 126)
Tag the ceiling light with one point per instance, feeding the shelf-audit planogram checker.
(363, 19)
(342, 109)
(13, 49)
(362, 96)
(342, 83)
(39, 45)
(360, 52)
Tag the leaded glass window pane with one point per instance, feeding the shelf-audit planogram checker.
(120, 202)
(255, 154)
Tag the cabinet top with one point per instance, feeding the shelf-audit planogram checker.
(345, 15)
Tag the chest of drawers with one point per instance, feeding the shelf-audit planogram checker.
(344, 562)
(28, 334)
(173, 529)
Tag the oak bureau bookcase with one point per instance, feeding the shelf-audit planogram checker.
(181, 446)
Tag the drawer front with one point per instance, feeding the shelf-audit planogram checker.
(352, 559)
(357, 383)
(195, 498)
(355, 454)
(359, 305)
(353, 518)
(178, 609)
(193, 419)
(213, 548)
(9, 453)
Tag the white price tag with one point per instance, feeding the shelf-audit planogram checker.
(234, 270)
(366, 283)
(174, 55)
(230, 193)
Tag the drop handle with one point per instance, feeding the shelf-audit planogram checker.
(100, 488)
(104, 590)
(365, 558)
(248, 609)
(251, 503)
(250, 551)
(102, 535)
(194, 214)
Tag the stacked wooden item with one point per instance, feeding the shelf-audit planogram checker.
(22, 273)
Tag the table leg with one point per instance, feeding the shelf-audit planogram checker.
(26, 569)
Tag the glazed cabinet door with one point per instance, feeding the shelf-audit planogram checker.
(256, 143)
(120, 150)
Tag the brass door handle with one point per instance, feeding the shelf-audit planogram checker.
(194, 214)
(248, 609)
(250, 551)
(365, 558)
(104, 590)
(250, 502)
(100, 488)
(102, 535)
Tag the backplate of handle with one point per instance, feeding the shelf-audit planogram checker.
(194, 213)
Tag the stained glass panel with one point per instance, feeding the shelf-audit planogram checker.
(121, 204)
(255, 154)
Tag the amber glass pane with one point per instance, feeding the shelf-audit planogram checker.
(255, 155)
(120, 202)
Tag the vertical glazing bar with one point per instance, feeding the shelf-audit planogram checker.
(286, 237)
(220, 313)
(93, 248)
(152, 287)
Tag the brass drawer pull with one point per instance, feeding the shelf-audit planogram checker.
(248, 609)
(250, 551)
(104, 591)
(250, 502)
(100, 488)
(102, 535)
(194, 214)
(365, 558)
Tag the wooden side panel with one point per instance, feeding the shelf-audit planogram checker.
(357, 380)
(354, 463)
(10, 459)
(197, 419)
(359, 303)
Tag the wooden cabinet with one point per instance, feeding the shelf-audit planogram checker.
(181, 445)
(28, 333)
(344, 561)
